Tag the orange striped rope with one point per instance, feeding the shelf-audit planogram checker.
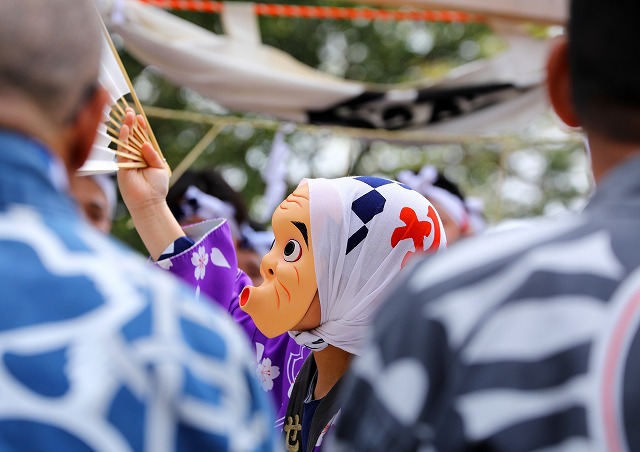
(321, 12)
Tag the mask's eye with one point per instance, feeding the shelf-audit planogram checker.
(292, 251)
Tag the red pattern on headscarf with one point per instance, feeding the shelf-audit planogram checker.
(417, 231)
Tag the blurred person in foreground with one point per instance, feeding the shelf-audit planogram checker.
(527, 339)
(96, 196)
(99, 350)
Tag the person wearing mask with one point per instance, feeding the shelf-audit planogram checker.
(339, 245)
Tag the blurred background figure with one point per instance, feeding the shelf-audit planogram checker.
(97, 198)
(461, 216)
(205, 195)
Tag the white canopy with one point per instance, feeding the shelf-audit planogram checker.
(237, 71)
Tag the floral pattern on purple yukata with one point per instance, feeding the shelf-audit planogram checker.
(215, 274)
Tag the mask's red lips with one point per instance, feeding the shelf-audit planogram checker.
(244, 296)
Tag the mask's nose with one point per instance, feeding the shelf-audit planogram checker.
(269, 264)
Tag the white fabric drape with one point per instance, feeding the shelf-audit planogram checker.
(244, 75)
(235, 73)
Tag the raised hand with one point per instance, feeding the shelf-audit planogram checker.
(144, 191)
(141, 187)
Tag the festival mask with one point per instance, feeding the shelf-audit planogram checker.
(283, 299)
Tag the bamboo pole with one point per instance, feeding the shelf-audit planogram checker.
(197, 150)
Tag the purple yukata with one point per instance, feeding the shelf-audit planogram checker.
(208, 263)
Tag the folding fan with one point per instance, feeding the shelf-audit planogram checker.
(103, 157)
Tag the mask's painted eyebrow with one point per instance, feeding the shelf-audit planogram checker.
(303, 230)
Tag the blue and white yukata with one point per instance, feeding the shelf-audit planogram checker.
(525, 340)
(98, 349)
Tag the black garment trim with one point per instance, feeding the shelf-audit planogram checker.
(326, 410)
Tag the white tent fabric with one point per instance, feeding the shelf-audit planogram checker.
(237, 71)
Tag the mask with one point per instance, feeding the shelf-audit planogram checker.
(289, 287)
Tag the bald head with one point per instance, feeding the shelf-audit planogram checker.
(49, 53)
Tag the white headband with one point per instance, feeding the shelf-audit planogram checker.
(208, 207)
(423, 184)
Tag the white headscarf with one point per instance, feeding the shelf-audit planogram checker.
(360, 241)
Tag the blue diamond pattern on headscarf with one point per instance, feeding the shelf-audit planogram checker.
(374, 182)
(368, 206)
(357, 238)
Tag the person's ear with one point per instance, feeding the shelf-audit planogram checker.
(84, 128)
(559, 82)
